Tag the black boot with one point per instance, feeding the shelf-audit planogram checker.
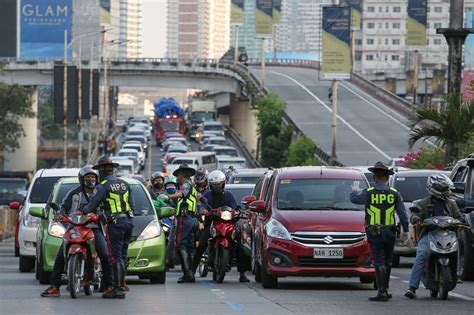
(121, 282)
(387, 280)
(186, 267)
(111, 293)
(380, 277)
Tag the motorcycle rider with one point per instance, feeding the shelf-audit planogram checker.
(114, 195)
(186, 206)
(157, 182)
(201, 181)
(73, 202)
(381, 202)
(438, 203)
(217, 197)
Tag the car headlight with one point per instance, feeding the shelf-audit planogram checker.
(31, 221)
(226, 215)
(56, 229)
(277, 230)
(152, 230)
(166, 229)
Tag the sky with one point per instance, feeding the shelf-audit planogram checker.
(154, 28)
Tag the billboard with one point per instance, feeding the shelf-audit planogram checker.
(276, 11)
(468, 86)
(104, 12)
(237, 12)
(42, 25)
(336, 43)
(264, 18)
(8, 26)
(416, 23)
(356, 12)
(469, 43)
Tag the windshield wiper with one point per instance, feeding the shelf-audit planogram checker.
(335, 208)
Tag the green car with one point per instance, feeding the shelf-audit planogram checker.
(147, 249)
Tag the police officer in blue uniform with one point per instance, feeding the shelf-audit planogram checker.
(381, 203)
(186, 199)
(114, 196)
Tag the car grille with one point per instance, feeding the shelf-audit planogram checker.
(308, 261)
(338, 239)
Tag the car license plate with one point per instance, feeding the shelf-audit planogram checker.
(328, 253)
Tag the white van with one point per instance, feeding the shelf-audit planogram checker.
(195, 160)
(224, 162)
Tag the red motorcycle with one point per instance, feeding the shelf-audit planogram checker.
(82, 262)
(223, 240)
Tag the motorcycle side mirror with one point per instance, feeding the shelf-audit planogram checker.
(15, 205)
(246, 201)
(165, 212)
(415, 209)
(54, 206)
(257, 206)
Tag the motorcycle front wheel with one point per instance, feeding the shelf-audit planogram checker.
(222, 261)
(444, 282)
(74, 275)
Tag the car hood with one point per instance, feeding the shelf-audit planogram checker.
(321, 220)
(139, 224)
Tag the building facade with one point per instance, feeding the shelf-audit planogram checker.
(130, 28)
(198, 29)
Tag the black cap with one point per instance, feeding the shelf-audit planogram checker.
(380, 167)
(184, 168)
(103, 162)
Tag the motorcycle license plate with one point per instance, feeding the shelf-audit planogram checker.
(328, 253)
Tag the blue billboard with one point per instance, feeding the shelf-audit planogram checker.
(469, 43)
(42, 25)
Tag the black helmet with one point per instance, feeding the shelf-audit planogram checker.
(201, 178)
(87, 170)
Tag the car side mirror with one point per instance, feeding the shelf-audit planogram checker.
(54, 206)
(37, 212)
(246, 201)
(459, 187)
(258, 206)
(165, 212)
(15, 205)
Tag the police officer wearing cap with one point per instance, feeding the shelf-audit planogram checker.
(186, 199)
(381, 203)
(114, 196)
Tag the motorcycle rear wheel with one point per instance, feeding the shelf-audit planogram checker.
(444, 282)
(73, 274)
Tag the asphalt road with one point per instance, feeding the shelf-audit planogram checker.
(367, 130)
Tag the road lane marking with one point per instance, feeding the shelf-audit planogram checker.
(453, 294)
(235, 306)
(338, 116)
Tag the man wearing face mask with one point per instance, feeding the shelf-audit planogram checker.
(73, 202)
(157, 182)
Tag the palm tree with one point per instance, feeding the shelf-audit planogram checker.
(451, 126)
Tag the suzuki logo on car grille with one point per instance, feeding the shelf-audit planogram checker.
(328, 239)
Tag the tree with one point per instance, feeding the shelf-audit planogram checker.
(301, 152)
(15, 103)
(275, 138)
(450, 126)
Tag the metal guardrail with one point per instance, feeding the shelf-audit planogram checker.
(280, 62)
(232, 134)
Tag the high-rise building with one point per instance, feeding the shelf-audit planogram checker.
(130, 28)
(198, 28)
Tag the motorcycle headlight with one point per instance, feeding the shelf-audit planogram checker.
(276, 230)
(152, 230)
(31, 221)
(213, 232)
(56, 229)
(226, 215)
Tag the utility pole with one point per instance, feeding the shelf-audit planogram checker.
(79, 111)
(236, 45)
(89, 125)
(65, 102)
(415, 77)
(334, 121)
(263, 74)
(275, 30)
(455, 35)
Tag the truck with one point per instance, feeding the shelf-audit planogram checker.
(169, 117)
(200, 111)
(13, 185)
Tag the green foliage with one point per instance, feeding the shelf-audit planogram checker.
(15, 103)
(450, 127)
(468, 147)
(426, 158)
(49, 130)
(301, 152)
(275, 139)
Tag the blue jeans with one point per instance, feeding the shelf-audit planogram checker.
(420, 262)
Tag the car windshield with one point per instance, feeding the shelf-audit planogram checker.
(198, 117)
(230, 152)
(180, 148)
(135, 133)
(317, 194)
(370, 178)
(239, 193)
(218, 141)
(236, 179)
(139, 139)
(63, 190)
(213, 128)
(169, 126)
(134, 153)
(236, 164)
(141, 203)
(181, 161)
(126, 168)
(42, 188)
(12, 185)
(137, 148)
(411, 188)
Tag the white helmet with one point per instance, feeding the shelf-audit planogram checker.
(439, 186)
(217, 181)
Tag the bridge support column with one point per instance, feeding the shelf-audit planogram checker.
(244, 122)
(25, 158)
